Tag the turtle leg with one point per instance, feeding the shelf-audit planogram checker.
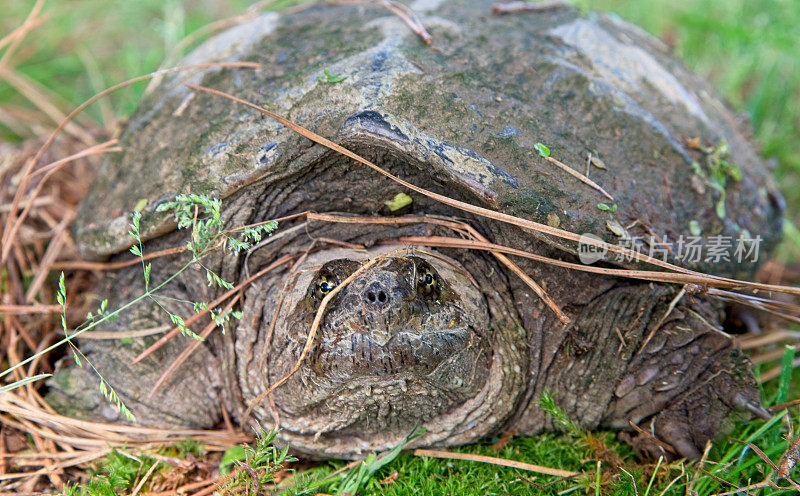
(686, 386)
(646, 356)
(723, 393)
(191, 397)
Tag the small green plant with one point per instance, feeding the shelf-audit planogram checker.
(611, 209)
(329, 78)
(562, 422)
(189, 445)
(606, 208)
(719, 171)
(80, 358)
(257, 465)
(203, 216)
(544, 152)
(117, 474)
(357, 477)
(399, 201)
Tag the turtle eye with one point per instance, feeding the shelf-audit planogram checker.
(427, 282)
(324, 285)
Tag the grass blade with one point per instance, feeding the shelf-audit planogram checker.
(22, 382)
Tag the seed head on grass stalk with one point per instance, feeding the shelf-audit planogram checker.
(107, 391)
(202, 214)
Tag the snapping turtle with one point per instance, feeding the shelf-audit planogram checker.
(445, 338)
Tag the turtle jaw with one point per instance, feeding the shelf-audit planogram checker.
(410, 352)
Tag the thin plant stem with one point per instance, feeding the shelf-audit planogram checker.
(68, 338)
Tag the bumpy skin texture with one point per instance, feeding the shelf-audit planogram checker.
(460, 118)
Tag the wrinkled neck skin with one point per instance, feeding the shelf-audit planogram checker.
(415, 341)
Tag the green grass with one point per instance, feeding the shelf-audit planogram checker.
(424, 475)
(750, 50)
(436, 477)
(87, 46)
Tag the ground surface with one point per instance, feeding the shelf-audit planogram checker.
(749, 50)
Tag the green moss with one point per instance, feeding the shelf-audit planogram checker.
(528, 203)
(63, 379)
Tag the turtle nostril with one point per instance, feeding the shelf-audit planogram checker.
(376, 295)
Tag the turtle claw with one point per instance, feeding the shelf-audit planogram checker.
(686, 449)
(679, 439)
(754, 407)
(671, 438)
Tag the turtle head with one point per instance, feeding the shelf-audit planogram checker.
(406, 342)
(399, 320)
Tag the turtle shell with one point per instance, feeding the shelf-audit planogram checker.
(472, 106)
